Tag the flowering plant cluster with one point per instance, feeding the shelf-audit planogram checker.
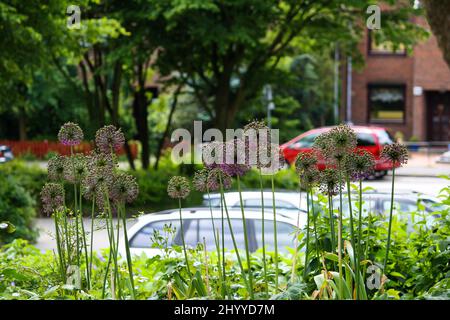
(95, 178)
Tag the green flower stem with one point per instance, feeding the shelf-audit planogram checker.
(127, 249)
(333, 232)
(92, 236)
(341, 287)
(83, 232)
(307, 236)
(297, 231)
(105, 278)
(232, 236)
(275, 236)
(359, 250)
(110, 225)
(182, 240)
(388, 245)
(352, 233)
(247, 250)
(223, 244)
(75, 209)
(266, 282)
(67, 239)
(58, 247)
(315, 226)
(216, 241)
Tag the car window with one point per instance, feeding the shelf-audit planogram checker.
(285, 235)
(305, 142)
(365, 139)
(215, 202)
(143, 238)
(384, 137)
(268, 203)
(197, 229)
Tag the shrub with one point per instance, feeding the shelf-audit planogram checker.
(17, 207)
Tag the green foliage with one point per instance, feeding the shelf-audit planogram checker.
(16, 207)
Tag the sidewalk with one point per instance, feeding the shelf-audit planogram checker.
(422, 165)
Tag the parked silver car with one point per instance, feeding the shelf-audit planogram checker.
(5, 154)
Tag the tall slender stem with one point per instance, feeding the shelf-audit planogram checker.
(83, 233)
(58, 247)
(352, 233)
(247, 250)
(127, 249)
(341, 282)
(305, 271)
(182, 240)
(263, 233)
(315, 226)
(297, 231)
(275, 237)
(358, 249)
(390, 221)
(92, 236)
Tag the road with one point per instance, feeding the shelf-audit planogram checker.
(426, 185)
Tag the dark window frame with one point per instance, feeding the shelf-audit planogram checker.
(371, 86)
(372, 53)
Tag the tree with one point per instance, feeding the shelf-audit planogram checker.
(227, 50)
(438, 13)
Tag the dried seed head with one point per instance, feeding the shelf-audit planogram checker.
(102, 163)
(305, 162)
(75, 168)
(109, 139)
(52, 196)
(200, 180)
(336, 143)
(396, 153)
(70, 134)
(178, 187)
(309, 178)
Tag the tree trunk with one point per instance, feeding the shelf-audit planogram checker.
(438, 16)
(22, 126)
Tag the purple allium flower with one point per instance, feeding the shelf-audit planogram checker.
(70, 134)
(359, 164)
(95, 187)
(305, 162)
(55, 168)
(329, 183)
(123, 188)
(396, 153)
(229, 157)
(109, 139)
(200, 180)
(215, 176)
(75, 168)
(52, 196)
(178, 187)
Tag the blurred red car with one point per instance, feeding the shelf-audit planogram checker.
(371, 139)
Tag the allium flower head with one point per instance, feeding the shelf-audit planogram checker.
(396, 153)
(52, 196)
(215, 176)
(336, 143)
(102, 163)
(75, 168)
(305, 162)
(229, 157)
(56, 167)
(178, 187)
(123, 188)
(309, 178)
(329, 183)
(200, 180)
(70, 134)
(109, 139)
(256, 125)
(95, 186)
(359, 164)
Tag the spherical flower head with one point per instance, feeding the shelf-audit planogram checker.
(215, 177)
(336, 143)
(123, 188)
(396, 153)
(109, 139)
(229, 157)
(75, 168)
(343, 137)
(200, 180)
(256, 125)
(329, 182)
(70, 134)
(55, 168)
(359, 165)
(309, 178)
(178, 187)
(305, 161)
(52, 196)
(102, 163)
(95, 186)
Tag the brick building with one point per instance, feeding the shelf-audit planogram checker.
(404, 93)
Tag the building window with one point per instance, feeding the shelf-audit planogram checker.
(378, 46)
(386, 103)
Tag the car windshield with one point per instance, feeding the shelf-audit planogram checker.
(384, 137)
